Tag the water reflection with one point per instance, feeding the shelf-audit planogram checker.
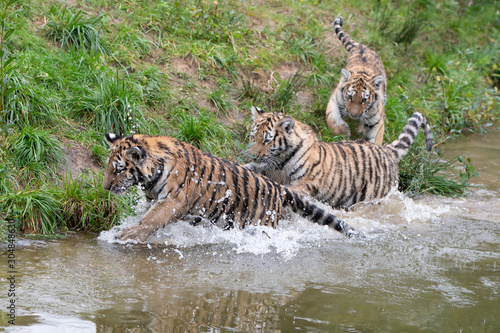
(231, 310)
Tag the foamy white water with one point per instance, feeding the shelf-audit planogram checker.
(293, 232)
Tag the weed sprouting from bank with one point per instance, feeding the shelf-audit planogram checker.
(36, 210)
(76, 31)
(35, 152)
(203, 131)
(110, 107)
(87, 206)
(422, 173)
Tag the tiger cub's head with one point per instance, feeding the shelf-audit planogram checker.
(360, 93)
(274, 135)
(124, 164)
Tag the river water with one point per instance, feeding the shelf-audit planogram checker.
(428, 264)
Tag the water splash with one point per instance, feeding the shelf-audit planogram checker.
(293, 233)
(286, 240)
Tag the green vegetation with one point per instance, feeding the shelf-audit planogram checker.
(193, 68)
(75, 31)
(34, 152)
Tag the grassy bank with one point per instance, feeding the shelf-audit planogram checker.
(191, 69)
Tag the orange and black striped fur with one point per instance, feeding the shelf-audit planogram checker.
(360, 94)
(185, 182)
(340, 173)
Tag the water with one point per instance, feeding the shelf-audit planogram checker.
(427, 265)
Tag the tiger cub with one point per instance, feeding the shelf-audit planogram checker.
(340, 173)
(185, 181)
(360, 93)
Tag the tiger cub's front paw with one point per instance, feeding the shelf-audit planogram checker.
(137, 234)
(342, 129)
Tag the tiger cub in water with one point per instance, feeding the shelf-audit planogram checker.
(360, 93)
(184, 182)
(340, 173)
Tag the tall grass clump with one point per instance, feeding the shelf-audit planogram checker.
(421, 173)
(76, 31)
(155, 87)
(35, 152)
(36, 210)
(248, 87)
(205, 132)
(110, 107)
(87, 206)
(130, 45)
(284, 95)
(7, 179)
(400, 24)
(26, 103)
(20, 101)
(186, 17)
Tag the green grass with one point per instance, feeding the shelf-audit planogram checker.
(221, 100)
(34, 152)
(192, 69)
(87, 206)
(205, 132)
(75, 31)
(110, 107)
(422, 173)
(37, 210)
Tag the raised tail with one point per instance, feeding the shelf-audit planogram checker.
(317, 214)
(349, 44)
(410, 131)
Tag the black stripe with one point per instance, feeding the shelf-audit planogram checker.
(166, 195)
(236, 185)
(244, 205)
(318, 214)
(361, 191)
(199, 186)
(290, 156)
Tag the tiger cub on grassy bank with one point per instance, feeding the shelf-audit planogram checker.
(340, 173)
(360, 93)
(185, 181)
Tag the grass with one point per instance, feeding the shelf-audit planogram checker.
(34, 152)
(221, 100)
(75, 31)
(69, 73)
(421, 173)
(37, 210)
(87, 206)
(110, 107)
(204, 131)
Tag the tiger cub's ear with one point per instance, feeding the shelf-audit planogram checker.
(136, 154)
(256, 112)
(346, 76)
(377, 82)
(111, 138)
(288, 124)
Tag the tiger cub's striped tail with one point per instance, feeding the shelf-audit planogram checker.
(410, 131)
(349, 44)
(317, 214)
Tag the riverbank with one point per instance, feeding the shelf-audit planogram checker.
(192, 69)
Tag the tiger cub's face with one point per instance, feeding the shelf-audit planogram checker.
(359, 93)
(122, 169)
(272, 135)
